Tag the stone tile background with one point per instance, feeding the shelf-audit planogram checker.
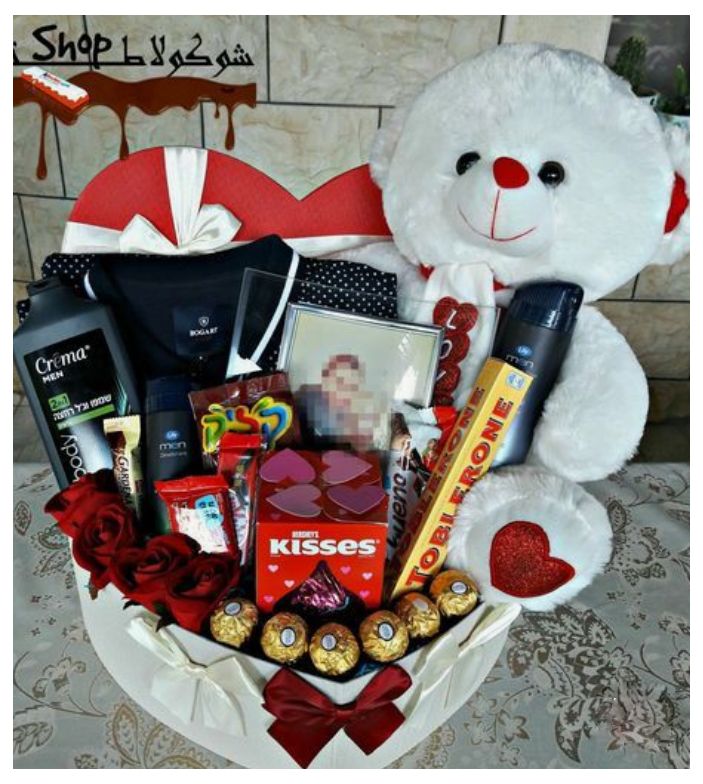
(325, 83)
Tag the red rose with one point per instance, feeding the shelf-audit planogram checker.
(100, 536)
(81, 500)
(141, 572)
(193, 592)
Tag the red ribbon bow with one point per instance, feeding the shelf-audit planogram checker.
(307, 720)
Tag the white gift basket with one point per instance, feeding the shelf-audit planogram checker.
(211, 693)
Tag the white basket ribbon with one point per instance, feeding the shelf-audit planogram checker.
(448, 662)
(190, 690)
(199, 229)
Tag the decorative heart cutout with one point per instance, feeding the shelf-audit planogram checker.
(342, 466)
(287, 464)
(289, 583)
(348, 204)
(298, 500)
(357, 500)
(268, 599)
(520, 562)
(367, 575)
(345, 569)
(364, 594)
(273, 567)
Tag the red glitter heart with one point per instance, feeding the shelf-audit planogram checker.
(520, 562)
(453, 315)
(455, 347)
(447, 379)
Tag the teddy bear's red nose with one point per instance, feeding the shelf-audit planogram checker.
(510, 173)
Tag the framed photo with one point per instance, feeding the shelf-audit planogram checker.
(345, 371)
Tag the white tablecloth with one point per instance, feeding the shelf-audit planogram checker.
(601, 682)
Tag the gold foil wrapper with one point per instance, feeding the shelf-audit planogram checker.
(284, 638)
(419, 614)
(454, 593)
(334, 649)
(384, 637)
(233, 621)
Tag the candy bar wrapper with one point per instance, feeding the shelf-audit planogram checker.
(261, 405)
(123, 436)
(467, 455)
(238, 463)
(199, 507)
(417, 437)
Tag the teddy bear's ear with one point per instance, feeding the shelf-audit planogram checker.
(676, 230)
(384, 145)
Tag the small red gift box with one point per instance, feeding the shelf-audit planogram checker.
(314, 507)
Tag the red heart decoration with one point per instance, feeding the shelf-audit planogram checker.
(349, 204)
(455, 347)
(447, 379)
(453, 315)
(520, 562)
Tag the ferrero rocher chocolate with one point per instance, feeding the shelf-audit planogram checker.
(454, 593)
(334, 649)
(384, 637)
(233, 621)
(419, 614)
(284, 637)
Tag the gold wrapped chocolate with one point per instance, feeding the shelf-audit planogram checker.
(334, 649)
(454, 593)
(384, 637)
(233, 621)
(419, 614)
(284, 637)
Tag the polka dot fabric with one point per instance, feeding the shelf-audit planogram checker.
(71, 269)
(341, 285)
(338, 285)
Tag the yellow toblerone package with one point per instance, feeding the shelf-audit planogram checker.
(470, 449)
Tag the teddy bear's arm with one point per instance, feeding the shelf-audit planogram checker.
(594, 418)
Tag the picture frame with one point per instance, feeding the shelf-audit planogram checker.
(345, 370)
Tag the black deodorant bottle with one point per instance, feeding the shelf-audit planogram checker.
(171, 441)
(76, 372)
(534, 335)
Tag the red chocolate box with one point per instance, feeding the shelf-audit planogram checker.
(320, 506)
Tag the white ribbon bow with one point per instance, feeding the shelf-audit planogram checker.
(199, 228)
(189, 690)
(448, 659)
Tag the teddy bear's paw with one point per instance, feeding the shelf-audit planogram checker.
(594, 417)
(528, 536)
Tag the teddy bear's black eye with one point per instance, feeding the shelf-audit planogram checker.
(466, 161)
(552, 173)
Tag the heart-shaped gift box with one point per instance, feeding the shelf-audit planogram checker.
(182, 200)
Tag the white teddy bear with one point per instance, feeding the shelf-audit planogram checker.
(527, 163)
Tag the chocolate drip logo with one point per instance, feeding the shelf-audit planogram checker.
(99, 50)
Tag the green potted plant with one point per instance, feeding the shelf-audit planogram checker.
(630, 65)
(675, 109)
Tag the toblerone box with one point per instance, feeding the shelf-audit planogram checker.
(467, 455)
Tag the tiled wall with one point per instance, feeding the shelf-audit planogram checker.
(324, 85)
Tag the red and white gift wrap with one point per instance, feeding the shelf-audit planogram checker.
(214, 695)
(186, 200)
